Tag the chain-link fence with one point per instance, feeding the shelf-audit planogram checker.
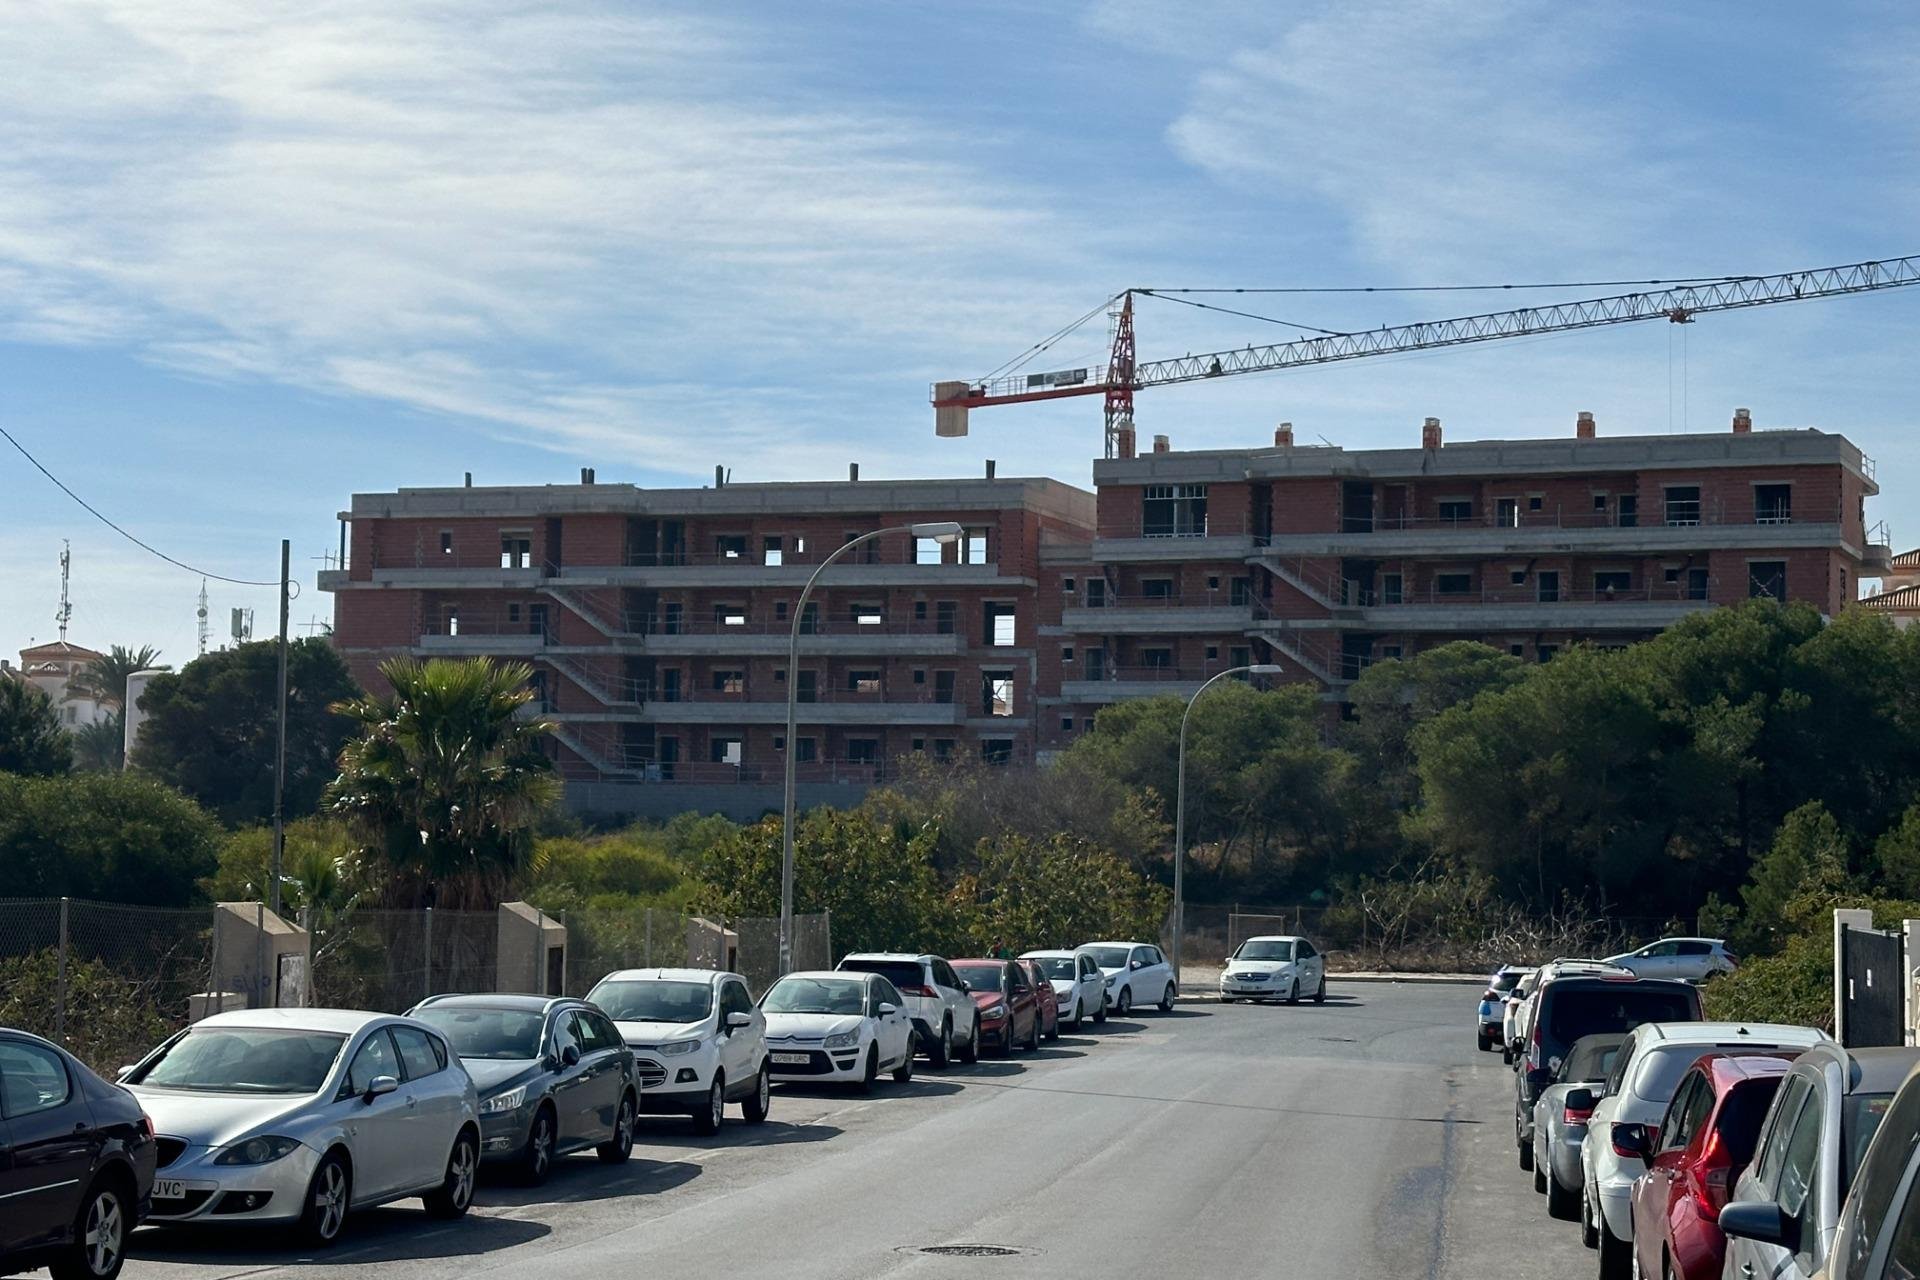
(107, 980)
(391, 960)
(601, 940)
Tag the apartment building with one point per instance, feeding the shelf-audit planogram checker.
(658, 620)
(1324, 559)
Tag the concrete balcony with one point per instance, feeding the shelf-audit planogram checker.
(1232, 546)
(1466, 540)
(1476, 617)
(1158, 618)
(746, 574)
(849, 643)
(743, 711)
(1123, 690)
(431, 577)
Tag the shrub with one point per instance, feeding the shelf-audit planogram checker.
(1795, 986)
(112, 1020)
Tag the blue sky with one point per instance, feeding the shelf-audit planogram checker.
(255, 258)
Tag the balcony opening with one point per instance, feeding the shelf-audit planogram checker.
(975, 547)
(996, 693)
(1240, 592)
(1545, 652)
(806, 686)
(1696, 584)
(670, 619)
(1096, 593)
(446, 542)
(1773, 504)
(944, 612)
(668, 758)
(1683, 504)
(1174, 511)
(1612, 582)
(1767, 580)
(1240, 656)
(1390, 588)
(732, 683)
(928, 551)
(1506, 513)
(866, 683)
(1356, 507)
(1156, 588)
(1456, 510)
(1548, 581)
(869, 615)
(806, 750)
(772, 551)
(810, 619)
(1627, 511)
(1452, 584)
(1066, 657)
(999, 624)
(1158, 659)
(1096, 664)
(730, 546)
(996, 750)
(726, 751)
(450, 619)
(516, 548)
(943, 687)
(943, 748)
(863, 750)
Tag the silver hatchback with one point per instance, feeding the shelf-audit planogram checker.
(298, 1116)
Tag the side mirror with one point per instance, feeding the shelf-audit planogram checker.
(1633, 1139)
(380, 1085)
(1580, 1100)
(570, 1055)
(738, 1019)
(888, 1010)
(1553, 1065)
(1137, 964)
(1761, 1220)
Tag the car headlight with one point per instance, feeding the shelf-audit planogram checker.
(844, 1040)
(508, 1101)
(262, 1150)
(678, 1047)
(994, 1011)
(1114, 981)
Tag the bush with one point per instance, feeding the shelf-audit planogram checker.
(111, 1020)
(1027, 893)
(114, 837)
(1795, 986)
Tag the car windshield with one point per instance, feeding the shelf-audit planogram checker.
(981, 977)
(1110, 957)
(901, 973)
(1505, 980)
(816, 995)
(1257, 950)
(654, 1000)
(1060, 968)
(1591, 1059)
(1586, 1011)
(245, 1060)
(502, 1034)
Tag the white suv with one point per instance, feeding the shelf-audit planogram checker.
(1137, 973)
(944, 1016)
(698, 1041)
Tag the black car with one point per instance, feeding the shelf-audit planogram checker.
(76, 1163)
(553, 1076)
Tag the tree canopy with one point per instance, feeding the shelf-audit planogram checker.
(114, 837)
(32, 740)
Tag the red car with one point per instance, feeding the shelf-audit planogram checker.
(1048, 997)
(1703, 1142)
(1009, 1006)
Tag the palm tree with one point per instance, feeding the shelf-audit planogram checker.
(445, 780)
(105, 678)
(101, 747)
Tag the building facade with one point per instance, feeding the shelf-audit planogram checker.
(658, 620)
(54, 669)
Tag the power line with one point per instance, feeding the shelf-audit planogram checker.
(95, 513)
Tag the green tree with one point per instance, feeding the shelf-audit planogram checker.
(105, 678)
(1792, 881)
(109, 836)
(100, 747)
(1393, 698)
(446, 781)
(210, 728)
(1027, 892)
(319, 866)
(31, 738)
(1896, 856)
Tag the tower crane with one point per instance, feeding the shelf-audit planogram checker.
(1123, 375)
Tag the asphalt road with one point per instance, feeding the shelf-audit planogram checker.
(1363, 1138)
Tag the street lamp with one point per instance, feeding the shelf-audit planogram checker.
(1180, 805)
(942, 532)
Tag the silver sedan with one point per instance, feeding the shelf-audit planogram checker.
(297, 1116)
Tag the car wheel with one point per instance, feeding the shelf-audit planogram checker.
(1167, 998)
(1525, 1149)
(942, 1051)
(1616, 1260)
(1539, 1174)
(873, 1069)
(1079, 1016)
(1561, 1204)
(1293, 992)
(328, 1197)
(1588, 1236)
(1320, 995)
(1053, 1032)
(536, 1161)
(454, 1196)
(755, 1108)
(99, 1236)
(1124, 1006)
(714, 1114)
(1033, 1033)
(970, 1052)
(904, 1072)
(1100, 1014)
(1226, 999)
(619, 1146)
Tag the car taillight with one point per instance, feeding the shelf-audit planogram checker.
(1491, 994)
(926, 992)
(146, 1124)
(1628, 1153)
(1576, 1115)
(1712, 1178)
(1733, 961)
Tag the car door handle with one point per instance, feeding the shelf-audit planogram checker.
(412, 1102)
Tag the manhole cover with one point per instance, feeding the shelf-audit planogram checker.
(972, 1250)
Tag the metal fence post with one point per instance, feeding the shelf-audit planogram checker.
(648, 935)
(427, 957)
(60, 996)
(826, 925)
(259, 956)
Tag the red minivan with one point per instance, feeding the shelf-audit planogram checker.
(1703, 1142)
(1009, 1007)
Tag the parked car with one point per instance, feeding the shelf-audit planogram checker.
(76, 1163)
(1079, 987)
(1576, 1001)
(1688, 959)
(1044, 993)
(1651, 1062)
(1490, 1018)
(832, 1026)
(1701, 1144)
(698, 1042)
(1136, 973)
(301, 1116)
(553, 1077)
(1519, 1022)
(1274, 967)
(1560, 1120)
(1786, 1207)
(944, 1018)
(1878, 1234)
(1009, 1009)
(1510, 1014)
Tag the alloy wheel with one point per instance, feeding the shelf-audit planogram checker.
(540, 1155)
(461, 1172)
(330, 1200)
(718, 1102)
(105, 1234)
(623, 1132)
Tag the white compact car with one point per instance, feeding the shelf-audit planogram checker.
(834, 1027)
(1275, 967)
(1136, 973)
(298, 1116)
(945, 1019)
(698, 1042)
(1078, 985)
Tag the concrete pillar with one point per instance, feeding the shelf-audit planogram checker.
(259, 957)
(1910, 966)
(531, 951)
(1844, 918)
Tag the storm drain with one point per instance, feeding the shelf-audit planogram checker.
(972, 1250)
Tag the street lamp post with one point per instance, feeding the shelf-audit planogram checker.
(1180, 806)
(941, 531)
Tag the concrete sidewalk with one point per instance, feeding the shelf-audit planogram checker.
(1202, 982)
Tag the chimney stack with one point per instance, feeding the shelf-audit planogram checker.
(1283, 436)
(1123, 438)
(719, 475)
(1162, 445)
(989, 468)
(586, 475)
(468, 483)
(853, 471)
(1742, 422)
(1430, 434)
(1583, 427)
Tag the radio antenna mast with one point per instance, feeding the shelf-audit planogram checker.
(65, 614)
(201, 614)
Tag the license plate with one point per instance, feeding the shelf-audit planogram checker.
(169, 1189)
(789, 1059)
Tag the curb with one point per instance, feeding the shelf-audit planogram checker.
(1411, 979)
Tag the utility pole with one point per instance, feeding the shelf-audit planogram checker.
(280, 745)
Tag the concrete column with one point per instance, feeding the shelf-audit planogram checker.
(527, 942)
(1909, 965)
(260, 958)
(1844, 918)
